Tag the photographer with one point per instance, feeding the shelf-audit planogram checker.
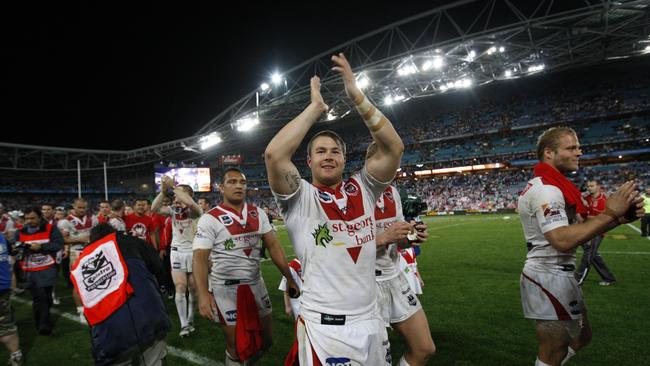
(36, 245)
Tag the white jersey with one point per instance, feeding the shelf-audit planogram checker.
(542, 209)
(333, 235)
(388, 210)
(183, 230)
(76, 226)
(296, 271)
(117, 223)
(235, 241)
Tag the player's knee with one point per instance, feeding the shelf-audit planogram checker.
(181, 288)
(424, 352)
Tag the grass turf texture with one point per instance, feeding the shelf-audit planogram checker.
(470, 266)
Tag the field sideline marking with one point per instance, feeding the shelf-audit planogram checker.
(637, 230)
(617, 252)
(177, 352)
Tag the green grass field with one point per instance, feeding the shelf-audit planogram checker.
(471, 267)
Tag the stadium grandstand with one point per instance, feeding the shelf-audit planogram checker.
(469, 95)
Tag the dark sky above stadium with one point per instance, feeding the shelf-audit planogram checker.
(119, 76)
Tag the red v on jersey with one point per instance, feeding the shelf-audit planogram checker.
(248, 251)
(354, 252)
(350, 192)
(233, 226)
(388, 207)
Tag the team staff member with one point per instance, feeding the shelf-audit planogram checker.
(8, 330)
(40, 243)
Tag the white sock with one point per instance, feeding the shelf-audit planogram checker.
(402, 362)
(17, 355)
(190, 308)
(540, 363)
(231, 361)
(570, 353)
(181, 308)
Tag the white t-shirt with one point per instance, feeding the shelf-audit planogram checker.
(542, 209)
(235, 241)
(296, 271)
(388, 210)
(183, 230)
(333, 235)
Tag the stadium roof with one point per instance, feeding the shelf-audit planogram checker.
(433, 53)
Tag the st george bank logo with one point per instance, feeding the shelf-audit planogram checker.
(322, 235)
(338, 361)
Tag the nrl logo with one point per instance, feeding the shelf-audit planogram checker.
(229, 244)
(322, 235)
(97, 272)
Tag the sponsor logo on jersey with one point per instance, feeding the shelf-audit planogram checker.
(324, 197)
(338, 361)
(226, 220)
(139, 230)
(97, 272)
(351, 189)
(231, 315)
(253, 213)
(550, 210)
(322, 235)
(229, 244)
(411, 300)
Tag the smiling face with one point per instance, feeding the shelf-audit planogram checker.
(566, 155)
(327, 161)
(233, 187)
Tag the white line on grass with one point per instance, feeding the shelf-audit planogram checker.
(637, 230)
(631, 253)
(177, 352)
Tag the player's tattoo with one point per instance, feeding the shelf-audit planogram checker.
(293, 179)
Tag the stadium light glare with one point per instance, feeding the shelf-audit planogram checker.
(209, 140)
(620, 156)
(508, 73)
(467, 83)
(407, 69)
(247, 123)
(647, 48)
(491, 50)
(398, 98)
(363, 81)
(388, 100)
(536, 68)
(276, 78)
(264, 87)
(443, 88)
(502, 49)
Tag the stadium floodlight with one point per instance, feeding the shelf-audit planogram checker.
(491, 50)
(536, 68)
(363, 81)
(407, 69)
(247, 123)
(502, 49)
(508, 73)
(388, 100)
(264, 87)
(427, 65)
(471, 55)
(276, 78)
(647, 48)
(398, 98)
(443, 87)
(209, 140)
(467, 82)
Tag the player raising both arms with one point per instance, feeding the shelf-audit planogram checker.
(331, 226)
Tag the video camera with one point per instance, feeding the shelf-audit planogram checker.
(412, 207)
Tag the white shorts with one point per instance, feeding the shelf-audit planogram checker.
(181, 261)
(396, 300)
(550, 295)
(364, 342)
(226, 298)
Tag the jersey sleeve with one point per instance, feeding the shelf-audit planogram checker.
(65, 226)
(265, 225)
(550, 208)
(207, 233)
(292, 203)
(370, 184)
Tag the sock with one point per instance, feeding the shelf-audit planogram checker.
(190, 309)
(570, 353)
(181, 308)
(402, 362)
(540, 363)
(17, 355)
(231, 361)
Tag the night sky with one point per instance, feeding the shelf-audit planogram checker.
(119, 76)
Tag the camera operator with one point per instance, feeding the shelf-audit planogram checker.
(36, 245)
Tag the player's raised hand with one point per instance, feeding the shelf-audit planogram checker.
(342, 66)
(167, 183)
(619, 202)
(316, 96)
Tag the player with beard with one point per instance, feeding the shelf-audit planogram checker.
(139, 224)
(184, 213)
(331, 226)
(229, 235)
(555, 222)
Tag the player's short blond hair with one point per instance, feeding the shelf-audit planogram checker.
(551, 139)
(331, 134)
